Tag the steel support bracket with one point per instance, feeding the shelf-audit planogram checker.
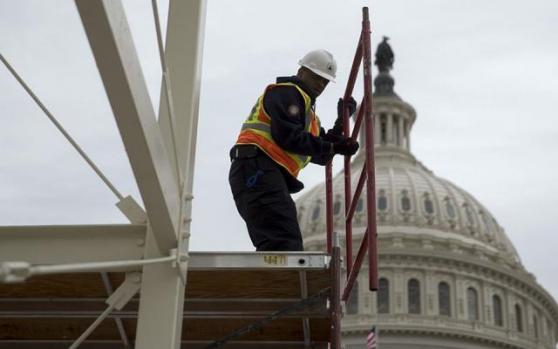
(132, 210)
(122, 295)
(182, 258)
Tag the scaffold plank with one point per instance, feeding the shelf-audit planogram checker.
(96, 344)
(47, 311)
(258, 260)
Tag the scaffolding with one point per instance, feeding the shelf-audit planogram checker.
(367, 176)
(132, 285)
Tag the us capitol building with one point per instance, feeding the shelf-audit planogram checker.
(449, 277)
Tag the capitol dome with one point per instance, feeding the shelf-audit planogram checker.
(410, 195)
(449, 276)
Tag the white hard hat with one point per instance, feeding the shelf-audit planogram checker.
(320, 62)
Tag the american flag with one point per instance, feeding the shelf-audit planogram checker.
(371, 340)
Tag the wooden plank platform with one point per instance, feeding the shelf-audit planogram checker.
(225, 291)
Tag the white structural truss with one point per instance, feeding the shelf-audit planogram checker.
(54, 280)
(161, 154)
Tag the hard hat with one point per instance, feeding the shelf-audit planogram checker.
(320, 62)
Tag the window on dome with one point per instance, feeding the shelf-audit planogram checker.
(497, 310)
(428, 205)
(316, 212)
(405, 202)
(449, 208)
(518, 318)
(360, 205)
(472, 304)
(413, 292)
(383, 296)
(352, 304)
(444, 304)
(535, 327)
(469, 214)
(336, 207)
(382, 201)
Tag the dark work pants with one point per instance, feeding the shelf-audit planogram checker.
(264, 202)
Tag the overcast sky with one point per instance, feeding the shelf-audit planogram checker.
(482, 76)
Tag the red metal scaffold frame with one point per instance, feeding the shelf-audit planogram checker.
(369, 241)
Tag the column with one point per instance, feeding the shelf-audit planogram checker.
(461, 300)
(377, 130)
(430, 288)
(482, 303)
(400, 131)
(407, 131)
(488, 315)
(389, 130)
(399, 292)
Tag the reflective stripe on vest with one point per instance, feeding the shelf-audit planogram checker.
(267, 130)
(256, 130)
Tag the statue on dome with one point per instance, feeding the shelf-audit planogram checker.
(384, 56)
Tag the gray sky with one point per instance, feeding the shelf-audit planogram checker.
(481, 75)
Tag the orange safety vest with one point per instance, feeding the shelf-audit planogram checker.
(256, 130)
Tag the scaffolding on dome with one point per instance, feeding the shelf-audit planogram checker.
(58, 283)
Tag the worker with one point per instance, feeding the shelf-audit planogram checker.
(280, 137)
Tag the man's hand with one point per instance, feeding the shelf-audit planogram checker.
(338, 127)
(351, 105)
(346, 146)
(332, 136)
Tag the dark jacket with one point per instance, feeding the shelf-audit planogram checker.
(285, 106)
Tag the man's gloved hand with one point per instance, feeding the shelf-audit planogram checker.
(333, 137)
(346, 146)
(338, 126)
(351, 105)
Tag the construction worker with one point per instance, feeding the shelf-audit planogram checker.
(281, 135)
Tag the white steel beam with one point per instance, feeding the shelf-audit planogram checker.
(161, 304)
(162, 294)
(112, 45)
(183, 51)
(71, 243)
(183, 56)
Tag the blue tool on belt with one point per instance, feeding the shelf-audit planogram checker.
(252, 180)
